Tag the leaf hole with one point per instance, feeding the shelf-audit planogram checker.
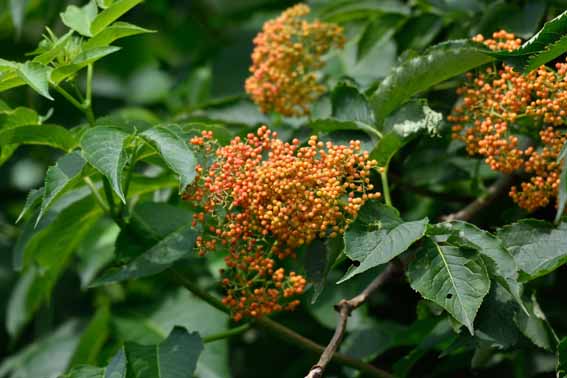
(356, 263)
(449, 296)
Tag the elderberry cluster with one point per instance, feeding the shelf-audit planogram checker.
(262, 198)
(498, 105)
(287, 55)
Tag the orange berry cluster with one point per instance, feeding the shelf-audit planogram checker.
(262, 198)
(287, 54)
(500, 104)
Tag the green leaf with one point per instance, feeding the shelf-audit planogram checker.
(46, 135)
(61, 177)
(33, 199)
(454, 278)
(36, 75)
(115, 369)
(537, 246)
(417, 74)
(80, 18)
(81, 61)
(376, 32)
(111, 14)
(169, 237)
(546, 45)
(173, 146)
(112, 33)
(103, 4)
(175, 357)
(19, 116)
(96, 250)
(51, 248)
(405, 124)
(104, 148)
(493, 323)
(319, 258)
(346, 10)
(46, 357)
(373, 243)
(158, 320)
(535, 326)
(92, 339)
(348, 104)
(562, 359)
(498, 260)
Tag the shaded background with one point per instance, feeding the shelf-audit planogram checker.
(195, 66)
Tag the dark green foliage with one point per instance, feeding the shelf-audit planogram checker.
(92, 273)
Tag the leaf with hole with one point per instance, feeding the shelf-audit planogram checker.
(454, 278)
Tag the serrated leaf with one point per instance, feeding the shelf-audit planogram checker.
(169, 237)
(373, 243)
(46, 135)
(111, 14)
(453, 278)
(87, 57)
(535, 326)
(112, 33)
(175, 357)
(537, 246)
(544, 46)
(33, 199)
(59, 178)
(36, 75)
(80, 18)
(499, 262)
(562, 359)
(551, 52)
(173, 147)
(417, 74)
(104, 148)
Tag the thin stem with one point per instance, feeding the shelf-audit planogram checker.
(229, 333)
(96, 194)
(385, 186)
(88, 104)
(109, 197)
(283, 332)
(69, 98)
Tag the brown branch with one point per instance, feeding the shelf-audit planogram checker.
(283, 332)
(493, 193)
(345, 308)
